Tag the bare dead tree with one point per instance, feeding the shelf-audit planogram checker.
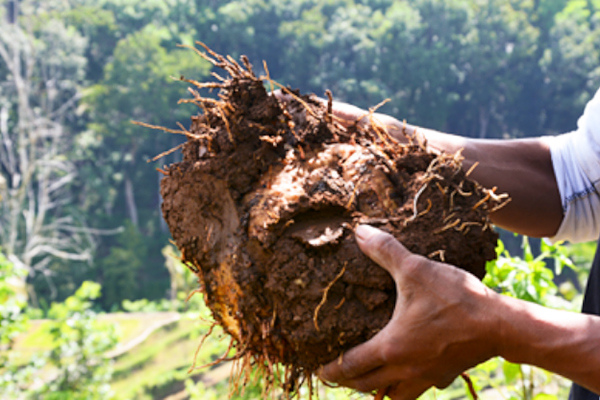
(39, 89)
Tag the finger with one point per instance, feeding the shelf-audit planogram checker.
(382, 248)
(409, 390)
(378, 378)
(348, 111)
(356, 362)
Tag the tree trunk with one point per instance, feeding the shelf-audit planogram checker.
(130, 201)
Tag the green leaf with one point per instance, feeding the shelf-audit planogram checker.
(545, 396)
(511, 371)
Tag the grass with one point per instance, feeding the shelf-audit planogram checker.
(157, 365)
(163, 360)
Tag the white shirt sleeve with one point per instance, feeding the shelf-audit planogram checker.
(576, 160)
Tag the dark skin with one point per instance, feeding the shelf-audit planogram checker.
(535, 209)
(445, 320)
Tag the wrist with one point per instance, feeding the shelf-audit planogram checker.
(559, 341)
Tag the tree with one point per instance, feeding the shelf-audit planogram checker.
(571, 63)
(137, 85)
(42, 67)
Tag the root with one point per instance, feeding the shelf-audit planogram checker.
(167, 130)
(297, 98)
(469, 383)
(224, 118)
(328, 116)
(451, 203)
(441, 189)
(471, 169)
(268, 77)
(449, 217)
(500, 206)
(324, 299)
(449, 226)
(166, 153)
(219, 360)
(193, 292)
(429, 205)
(467, 224)
(200, 85)
(415, 201)
(463, 194)
(440, 253)
(485, 199)
(200, 345)
(353, 197)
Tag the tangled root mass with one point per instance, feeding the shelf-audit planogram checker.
(263, 208)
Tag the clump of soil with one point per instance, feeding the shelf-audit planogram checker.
(263, 208)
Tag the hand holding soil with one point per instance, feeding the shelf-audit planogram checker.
(264, 204)
(439, 328)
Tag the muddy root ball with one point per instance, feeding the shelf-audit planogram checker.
(264, 205)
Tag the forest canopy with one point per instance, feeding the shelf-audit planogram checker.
(81, 202)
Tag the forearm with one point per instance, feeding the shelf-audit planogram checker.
(559, 341)
(521, 167)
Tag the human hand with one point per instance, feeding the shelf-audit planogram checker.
(441, 326)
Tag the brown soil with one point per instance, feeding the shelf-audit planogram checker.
(263, 208)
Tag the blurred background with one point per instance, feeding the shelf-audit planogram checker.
(92, 295)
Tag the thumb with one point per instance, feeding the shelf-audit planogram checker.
(382, 248)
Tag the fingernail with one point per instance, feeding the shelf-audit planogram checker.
(365, 232)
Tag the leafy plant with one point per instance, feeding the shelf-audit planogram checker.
(80, 339)
(14, 379)
(529, 278)
(12, 304)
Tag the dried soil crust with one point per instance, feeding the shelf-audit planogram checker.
(264, 204)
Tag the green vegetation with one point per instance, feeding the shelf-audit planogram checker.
(79, 202)
(157, 365)
(477, 68)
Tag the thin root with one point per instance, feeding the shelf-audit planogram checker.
(469, 383)
(324, 299)
(200, 345)
(485, 199)
(268, 76)
(162, 128)
(415, 201)
(193, 292)
(164, 154)
(472, 168)
(440, 253)
(449, 226)
(219, 360)
(502, 205)
(341, 303)
(353, 197)
(288, 91)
